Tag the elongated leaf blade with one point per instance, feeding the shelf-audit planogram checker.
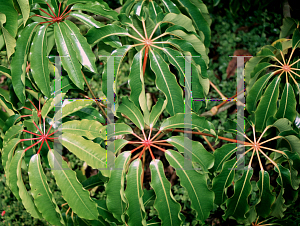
(24, 195)
(287, 104)
(222, 181)
(41, 192)
(156, 111)
(116, 202)
(24, 5)
(177, 121)
(267, 106)
(86, 150)
(71, 107)
(222, 154)
(68, 59)
(131, 110)
(197, 152)
(166, 82)
(134, 193)
(118, 129)
(78, 198)
(202, 198)
(168, 209)
(263, 208)
(136, 82)
(39, 61)
(88, 128)
(19, 61)
(87, 20)
(83, 51)
(237, 205)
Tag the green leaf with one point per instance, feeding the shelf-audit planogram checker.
(200, 16)
(221, 182)
(166, 82)
(156, 111)
(86, 150)
(116, 202)
(197, 152)
(263, 208)
(7, 152)
(24, 195)
(11, 173)
(288, 27)
(87, 20)
(41, 192)
(88, 128)
(68, 55)
(296, 39)
(39, 61)
(192, 38)
(177, 121)
(222, 154)
(256, 91)
(134, 193)
(70, 108)
(118, 145)
(94, 181)
(95, 35)
(11, 25)
(19, 61)
(12, 132)
(129, 109)
(9, 40)
(119, 129)
(103, 211)
(24, 5)
(287, 105)
(83, 51)
(96, 8)
(137, 86)
(168, 209)
(50, 103)
(237, 205)
(170, 7)
(267, 106)
(202, 198)
(278, 207)
(78, 198)
(89, 113)
(179, 19)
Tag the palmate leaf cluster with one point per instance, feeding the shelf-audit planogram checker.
(154, 37)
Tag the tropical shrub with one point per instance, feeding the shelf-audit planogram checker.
(160, 42)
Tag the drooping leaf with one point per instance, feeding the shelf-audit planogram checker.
(116, 202)
(166, 82)
(196, 185)
(68, 55)
(24, 195)
(39, 61)
(77, 197)
(24, 5)
(117, 129)
(237, 205)
(134, 193)
(41, 192)
(267, 106)
(83, 51)
(168, 209)
(263, 208)
(222, 154)
(223, 181)
(287, 105)
(19, 61)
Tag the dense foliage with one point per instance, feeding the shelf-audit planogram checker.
(140, 54)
